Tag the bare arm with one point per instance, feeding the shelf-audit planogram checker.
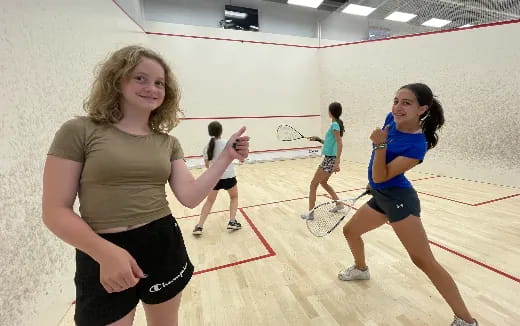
(339, 144)
(316, 138)
(190, 191)
(60, 186)
(382, 172)
(206, 163)
(118, 269)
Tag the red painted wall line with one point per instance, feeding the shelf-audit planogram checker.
(233, 40)
(255, 117)
(267, 151)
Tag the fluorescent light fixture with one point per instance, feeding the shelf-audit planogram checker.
(464, 26)
(235, 14)
(358, 10)
(400, 16)
(306, 3)
(435, 22)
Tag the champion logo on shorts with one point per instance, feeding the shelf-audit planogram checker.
(399, 205)
(159, 286)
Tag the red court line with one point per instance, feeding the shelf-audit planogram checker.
(453, 200)
(233, 40)
(461, 202)
(268, 150)
(470, 204)
(258, 234)
(117, 4)
(188, 216)
(427, 178)
(516, 279)
(481, 182)
(276, 202)
(494, 200)
(231, 264)
(270, 251)
(363, 188)
(255, 117)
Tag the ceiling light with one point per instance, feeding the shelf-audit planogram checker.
(358, 10)
(435, 22)
(400, 16)
(306, 3)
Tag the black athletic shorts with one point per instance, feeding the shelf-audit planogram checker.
(226, 184)
(395, 202)
(158, 248)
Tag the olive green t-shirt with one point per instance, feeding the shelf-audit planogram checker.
(123, 178)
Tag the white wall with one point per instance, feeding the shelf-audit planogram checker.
(475, 74)
(48, 51)
(227, 79)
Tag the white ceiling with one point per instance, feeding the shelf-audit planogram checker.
(460, 12)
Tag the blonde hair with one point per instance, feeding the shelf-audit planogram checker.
(102, 105)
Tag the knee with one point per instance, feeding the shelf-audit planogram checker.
(324, 184)
(422, 262)
(348, 232)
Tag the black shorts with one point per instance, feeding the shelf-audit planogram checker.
(226, 184)
(158, 248)
(396, 203)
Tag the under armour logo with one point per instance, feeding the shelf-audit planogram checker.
(399, 205)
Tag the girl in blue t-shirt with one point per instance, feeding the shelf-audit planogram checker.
(332, 146)
(408, 132)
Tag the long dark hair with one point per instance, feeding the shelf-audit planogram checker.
(335, 110)
(433, 118)
(214, 130)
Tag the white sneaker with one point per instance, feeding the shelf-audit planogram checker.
(197, 230)
(307, 216)
(337, 208)
(352, 273)
(461, 322)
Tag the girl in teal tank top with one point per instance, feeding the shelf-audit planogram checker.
(332, 148)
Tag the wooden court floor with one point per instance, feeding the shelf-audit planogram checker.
(274, 272)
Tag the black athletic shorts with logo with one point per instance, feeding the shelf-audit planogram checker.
(395, 202)
(158, 248)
